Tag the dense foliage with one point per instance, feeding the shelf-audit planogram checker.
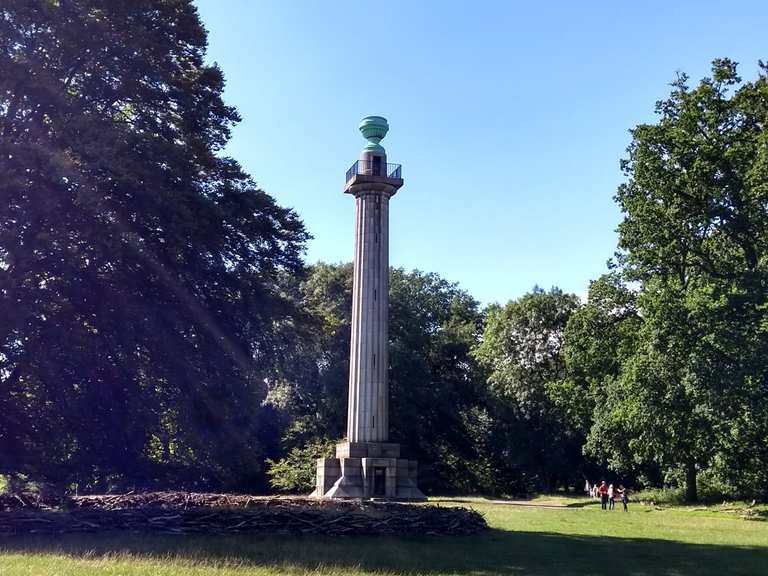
(158, 326)
(139, 270)
(692, 394)
(434, 383)
(536, 441)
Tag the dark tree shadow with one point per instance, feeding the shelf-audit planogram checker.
(589, 503)
(494, 552)
(524, 502)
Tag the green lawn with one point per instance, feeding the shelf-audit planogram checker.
(577, 540)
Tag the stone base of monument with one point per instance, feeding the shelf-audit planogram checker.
(367, 470)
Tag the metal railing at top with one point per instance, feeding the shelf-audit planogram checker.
(369, 168)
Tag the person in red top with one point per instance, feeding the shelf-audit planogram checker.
(603, 495)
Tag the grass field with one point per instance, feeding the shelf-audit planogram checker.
(577, 540)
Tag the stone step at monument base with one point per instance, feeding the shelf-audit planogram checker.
(367, 450)
(367, 470)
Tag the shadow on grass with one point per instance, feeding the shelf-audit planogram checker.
(543, 503)
(494, 552)
(585, 503)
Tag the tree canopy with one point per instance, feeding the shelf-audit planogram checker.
(691, 396)
(159, 327)
(139, 268)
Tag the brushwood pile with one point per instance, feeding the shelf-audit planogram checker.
(196, 513)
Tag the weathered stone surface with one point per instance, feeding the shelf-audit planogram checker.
(367, 450)
(328, 472)
(351, 483)
(351, 473)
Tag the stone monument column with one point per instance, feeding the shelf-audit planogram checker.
(368, 390)
(367, 465)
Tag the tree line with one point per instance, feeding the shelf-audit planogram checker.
(160, 328)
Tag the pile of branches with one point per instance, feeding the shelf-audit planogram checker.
(188, 513)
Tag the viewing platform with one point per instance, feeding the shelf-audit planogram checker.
(372, 168)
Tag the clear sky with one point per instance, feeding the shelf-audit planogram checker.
(509, 118)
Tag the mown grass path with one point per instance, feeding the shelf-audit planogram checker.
(579, 539)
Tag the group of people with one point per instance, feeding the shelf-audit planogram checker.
(607, 494)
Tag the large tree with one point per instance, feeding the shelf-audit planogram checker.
(600, 341)
(139, 289)
(310, 388)
(437, 408)
(695, 240)
(537, 433)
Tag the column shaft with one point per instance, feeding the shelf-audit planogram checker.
(368, 419)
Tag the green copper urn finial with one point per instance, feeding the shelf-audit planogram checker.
(374, 128)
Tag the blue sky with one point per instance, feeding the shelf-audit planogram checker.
(509, 118)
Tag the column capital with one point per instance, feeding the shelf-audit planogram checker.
(362, 184)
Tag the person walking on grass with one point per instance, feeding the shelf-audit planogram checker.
(611, 500)
(623, 497)
(603, 495)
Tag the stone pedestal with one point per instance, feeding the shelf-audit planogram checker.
(367, 470)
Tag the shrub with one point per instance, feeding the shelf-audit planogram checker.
(296, 472)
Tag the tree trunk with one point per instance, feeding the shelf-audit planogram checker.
(691, 493)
